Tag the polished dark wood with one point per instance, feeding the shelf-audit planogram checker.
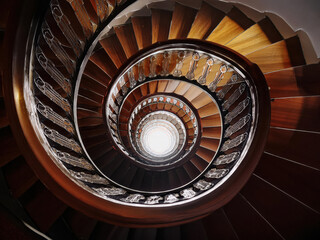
(127, 39)
(296, 81)
(142, 27)
(296, 113)
(208, 17)
(301, 147)
(113, 48)
(292, 219)
(161, 21)
(182, 19)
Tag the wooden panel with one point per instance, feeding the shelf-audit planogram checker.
(297, 81)
(113, 48)
(291, 219)
(182, 19)
(247, 223)
(91, 95)
(210, 143)
(142, 30)
(208, 110)
(103, 61)
(19, 176)
(211, 132)
(192, 93)
(96, 73)
(205, 154)
(294, 179)
(152, 87)
(225, 31)
(272, 58)
(43, 207)
(301, 147)
(301, 113)
(161, 21)
(172, 86)
(127, 39)
(236, 15)
(182, 88)
(210, 121)
(218, 226)
(92, 85)
(206, 20)
(9, 149)
(81, 225)
(162, 85)
(193, 230)
(202, 100)
(250, 40)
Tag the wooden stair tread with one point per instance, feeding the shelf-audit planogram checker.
(211, 132)
(96, 73)
(296, 113)
(142, 27)
(281, 211)
(218, 226)
(127, 39)
(210, 143)
(208, 110)
(226, 30)
(205, 154)
(113, 48)
(19, 176)
(208, 17)
(284, 175)
(38, 200)
(301, 147)
(283, 54)
(250, 226)
(182, 19)
(102, 60)
(9, 149)
(296, 81)
(161, 21)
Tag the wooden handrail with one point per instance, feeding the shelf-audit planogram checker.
(15, 61)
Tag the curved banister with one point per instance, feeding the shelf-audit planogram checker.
(76, 194)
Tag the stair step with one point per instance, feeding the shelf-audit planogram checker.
(208, 17)
(255, 37)
(211, 121)
(230, 27)
(182, 19)
(211, 132)
(296, 113)
(127, 39)
(9, 149)
(283, 212)
(296, 81)
(103, 61)
(205, 154)
(252, 225)
(161, 21)
(218, 226)
(283, 174)
(113, 48)
(19, 176)
(39, 200)
(194, 230)
(208, 110)
(142, 27)
(96, 73)
(280, 55)
(81, 225)
(210, 143)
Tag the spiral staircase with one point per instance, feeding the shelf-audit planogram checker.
(84, 83)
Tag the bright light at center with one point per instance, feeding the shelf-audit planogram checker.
(159, 140)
